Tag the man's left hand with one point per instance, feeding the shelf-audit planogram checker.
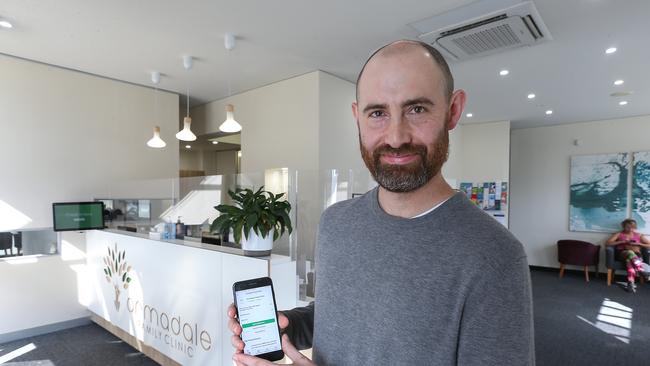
(289, 350)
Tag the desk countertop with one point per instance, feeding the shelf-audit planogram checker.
(192, 243)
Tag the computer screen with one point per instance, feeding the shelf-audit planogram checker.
(76, 216)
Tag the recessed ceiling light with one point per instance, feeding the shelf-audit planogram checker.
(188, 146)
(610, 50)
(215, 142)
(619, 82)
(531, 96)
(469, 115)
(622, 102)
(504, 72)
(5, 24)
(549, 112)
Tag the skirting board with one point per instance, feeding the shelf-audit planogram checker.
(133, 341)
(44, 329)
(557, 269)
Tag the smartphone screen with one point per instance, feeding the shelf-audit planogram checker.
(258, 318)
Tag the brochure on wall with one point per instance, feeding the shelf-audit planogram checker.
(490, 196)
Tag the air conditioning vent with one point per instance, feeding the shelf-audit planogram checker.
(491, 32)
(473, 25)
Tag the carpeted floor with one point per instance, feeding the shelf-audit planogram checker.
(576, 323)
(89, 345)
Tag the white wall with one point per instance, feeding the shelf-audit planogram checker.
(226, 162)
(479, 153)
(452, 168)
(540, 177)
(209, 161)
(191, 160)
(279, 123)
(486, 152)
(68, 136)
(338, 134)
(44, 290)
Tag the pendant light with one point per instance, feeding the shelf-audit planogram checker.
(186, 133)
(229, 125)
(156, 141)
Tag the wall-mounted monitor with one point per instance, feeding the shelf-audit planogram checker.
(76, 216)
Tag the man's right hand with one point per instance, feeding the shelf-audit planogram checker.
(235, 328)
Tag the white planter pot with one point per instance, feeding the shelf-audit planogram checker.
(255, 245)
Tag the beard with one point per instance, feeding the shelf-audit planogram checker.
(407, 177)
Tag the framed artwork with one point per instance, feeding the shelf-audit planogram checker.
(598, 192)
(131, 210)
(144, 209)
(641, 191)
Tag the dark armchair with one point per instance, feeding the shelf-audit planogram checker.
(612, 263)
(18, 241)
(577, 252)
(6, 243)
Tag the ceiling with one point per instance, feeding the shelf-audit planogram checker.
(125, 40)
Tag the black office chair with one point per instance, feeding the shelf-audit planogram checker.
(18, 242)
(6, 243)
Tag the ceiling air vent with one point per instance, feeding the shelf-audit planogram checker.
(484, 28)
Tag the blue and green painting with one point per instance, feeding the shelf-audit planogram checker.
(641, 191)
(598, 199)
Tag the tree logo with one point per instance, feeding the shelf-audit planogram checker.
(117, 272)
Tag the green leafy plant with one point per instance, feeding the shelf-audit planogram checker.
(261, 211)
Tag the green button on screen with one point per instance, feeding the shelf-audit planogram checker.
(261, 322)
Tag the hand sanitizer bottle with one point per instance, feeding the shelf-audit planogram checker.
(180, 229)
(172, 229)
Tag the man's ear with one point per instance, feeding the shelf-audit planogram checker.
(355, 111)
(456, 106)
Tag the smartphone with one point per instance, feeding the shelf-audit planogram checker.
(258, 317)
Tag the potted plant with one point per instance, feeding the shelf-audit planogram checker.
(257, 219)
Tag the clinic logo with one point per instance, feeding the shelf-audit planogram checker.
(117, 272)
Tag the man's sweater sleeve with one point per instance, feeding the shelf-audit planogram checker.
(497, 321)
(301, 326)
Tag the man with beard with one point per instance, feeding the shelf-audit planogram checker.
(412, 273)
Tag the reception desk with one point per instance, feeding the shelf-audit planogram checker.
(168, 298)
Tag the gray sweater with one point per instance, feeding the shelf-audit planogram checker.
(449, 288)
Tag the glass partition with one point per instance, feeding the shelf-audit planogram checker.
(142, 206)
(27, 242)
(316, 191)
(146, 205)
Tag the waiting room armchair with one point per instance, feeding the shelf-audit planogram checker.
(577, 252)
(613, 264)
(18, 241)
(6, 243)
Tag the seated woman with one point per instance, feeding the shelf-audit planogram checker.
(628, 244)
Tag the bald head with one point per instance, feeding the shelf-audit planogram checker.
(404, 47)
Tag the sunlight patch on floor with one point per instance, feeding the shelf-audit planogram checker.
(614, 319)
(30, 363)
(17, 353)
